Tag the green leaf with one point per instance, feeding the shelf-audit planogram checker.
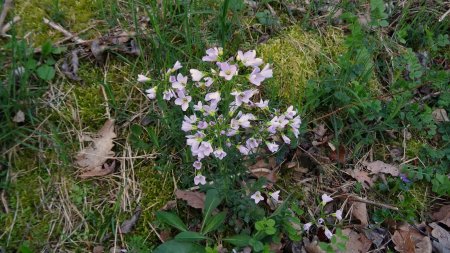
(173, 246)
(212, 201)
(238, 240)
(46, 72)
(214, 223)
(172, 220)
(59, 50)
(189, 236)
(256, 245)
(46, 48)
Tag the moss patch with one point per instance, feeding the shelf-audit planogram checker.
(297, 56)
(74, 15)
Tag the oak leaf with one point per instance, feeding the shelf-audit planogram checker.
(92, 158)
(194, 199)
(357, 242)
(382, 167)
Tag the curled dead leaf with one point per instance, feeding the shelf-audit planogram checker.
(360, 213)
(92, 158)
(443, 238)
(443, 213)
(263, 168)
(19, 117)
(408, 240)
(193, 199)
(381, 167)
(357, 242)
(128, 225)
(362, 177)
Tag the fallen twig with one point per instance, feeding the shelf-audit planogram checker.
(358, 199)
(444, 15)
(8, 25)
(5, 9)
(66, 33)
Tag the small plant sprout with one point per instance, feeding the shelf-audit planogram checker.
(257, 197)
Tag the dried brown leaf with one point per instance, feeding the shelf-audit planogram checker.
(443, 213)
(263, 168)
(440, 115)
(360, 213)
(357, 242)
(194, 199)
(381, 167)
(93, 157)
(98, 249)
(128, 225)
(408, 240)
(443, 237)
(19, 117)
(362, 177)
(99, 171)
(338, 155)
(169, 205)
(312, 246)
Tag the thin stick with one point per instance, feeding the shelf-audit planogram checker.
(445, 15)
(64, 31)
(8, 25)
(5, 9)
(358, 199)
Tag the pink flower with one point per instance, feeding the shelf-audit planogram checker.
(243, 149)
(210, 109)
(212, 54)
(257, 197)
(244, 120)
(203, 150)
(326, 199)
(275, 195)
(151, 93)
(169, 94)
(214, 97)
(183, 100)
(175, 67)
(320, 221)
(262, 104)
(180, 82)
(199, 179)
(290, 112)
(249, 58)
(202, 125)
(286, 139)
(273, 147)
(187, 124)
(306, 226)
(208, 81)
(143, 79)
(198, 106)
(252, 143)
(197, 165)
(227, 71)
(220, 154)
(277, 123)
(328, 233)
(243, 97)
(295, 125)
(338, 214)
(196, 74)
(258, 76)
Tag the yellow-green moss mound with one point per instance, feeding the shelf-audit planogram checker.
(74, 15)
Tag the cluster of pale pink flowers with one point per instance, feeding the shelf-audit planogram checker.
(224, 110)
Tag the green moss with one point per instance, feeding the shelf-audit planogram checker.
(74, 15)
(296, 56)
(27, 219)
(157, 190)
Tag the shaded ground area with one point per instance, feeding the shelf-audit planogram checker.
(366, 92)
